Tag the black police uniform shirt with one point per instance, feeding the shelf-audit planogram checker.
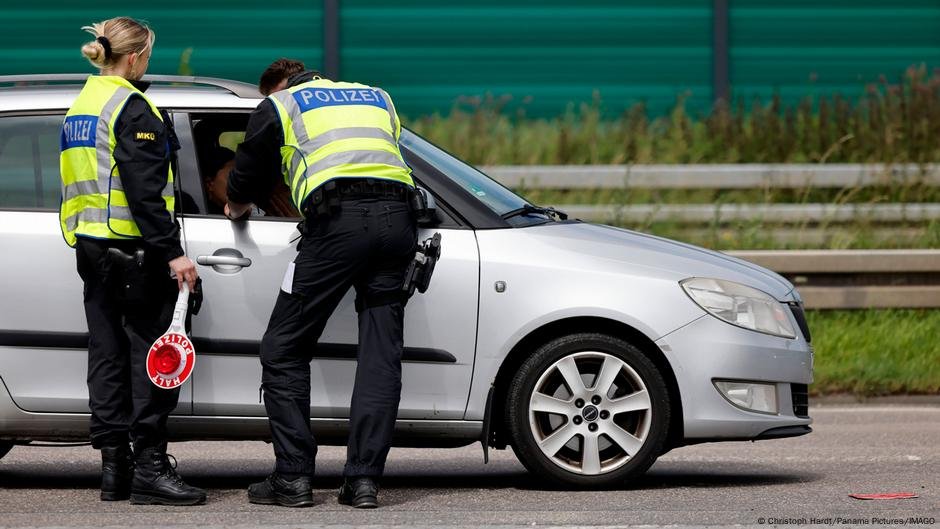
(143, 162)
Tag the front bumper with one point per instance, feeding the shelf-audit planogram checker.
(709, 349)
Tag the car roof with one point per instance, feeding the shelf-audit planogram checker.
(58, 92)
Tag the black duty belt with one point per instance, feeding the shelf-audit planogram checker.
(366, 188)
(326, 199)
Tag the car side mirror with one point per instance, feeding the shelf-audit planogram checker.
(429, 217)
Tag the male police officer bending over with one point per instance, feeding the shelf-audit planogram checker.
(346, 174)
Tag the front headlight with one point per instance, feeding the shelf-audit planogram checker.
(740, 305)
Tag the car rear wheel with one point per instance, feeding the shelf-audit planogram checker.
(588, 410)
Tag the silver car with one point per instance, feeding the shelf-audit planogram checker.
(588, 349)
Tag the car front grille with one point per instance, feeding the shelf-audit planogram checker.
(800, 395)
(800, 315)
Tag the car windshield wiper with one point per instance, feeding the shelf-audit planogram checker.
(529, 208)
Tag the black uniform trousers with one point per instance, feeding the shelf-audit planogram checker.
(125, 405)
(367, 244)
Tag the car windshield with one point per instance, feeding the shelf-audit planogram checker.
(490, 192)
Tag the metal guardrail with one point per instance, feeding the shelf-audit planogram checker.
(844, 261)
(778, 213)
(796, 236)
(712, 176)
(826, 279)
(857, 279)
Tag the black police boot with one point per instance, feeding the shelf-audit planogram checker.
(275, 490)
(359, 492)
(157, 483)
(117, 469)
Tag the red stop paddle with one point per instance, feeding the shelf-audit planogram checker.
(172, 356)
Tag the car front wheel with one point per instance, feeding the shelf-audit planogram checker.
(588, 410)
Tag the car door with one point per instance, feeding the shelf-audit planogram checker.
(43, 333)
(242, 265)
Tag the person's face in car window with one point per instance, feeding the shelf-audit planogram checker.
(216, 186)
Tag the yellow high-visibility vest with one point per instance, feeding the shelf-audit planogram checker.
(337, 130)
(93, 200)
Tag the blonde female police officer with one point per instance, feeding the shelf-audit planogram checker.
(117, 211)
(336, 146)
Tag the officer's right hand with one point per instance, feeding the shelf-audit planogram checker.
(184, 270)
(237, 211)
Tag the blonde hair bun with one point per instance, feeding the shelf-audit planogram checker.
(94, 52)
(123, 34)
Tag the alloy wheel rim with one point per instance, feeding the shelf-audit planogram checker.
(590, 413)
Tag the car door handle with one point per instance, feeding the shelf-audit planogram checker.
(223, 260)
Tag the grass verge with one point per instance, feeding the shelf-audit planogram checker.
(876, 352)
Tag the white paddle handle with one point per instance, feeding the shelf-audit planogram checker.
(179, 312)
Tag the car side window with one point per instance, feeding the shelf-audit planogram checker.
(29, 162)
(216, 137)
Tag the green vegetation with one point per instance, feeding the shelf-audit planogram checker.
(884, 123)
(876, 352)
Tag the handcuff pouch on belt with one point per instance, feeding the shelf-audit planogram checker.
(418, 203)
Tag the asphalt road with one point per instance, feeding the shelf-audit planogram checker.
(853, 450)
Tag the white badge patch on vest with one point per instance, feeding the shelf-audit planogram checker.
(79, 131)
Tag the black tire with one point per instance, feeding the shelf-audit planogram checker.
(5, 446)
(520, 429)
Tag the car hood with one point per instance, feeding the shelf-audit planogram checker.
(607, 245)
